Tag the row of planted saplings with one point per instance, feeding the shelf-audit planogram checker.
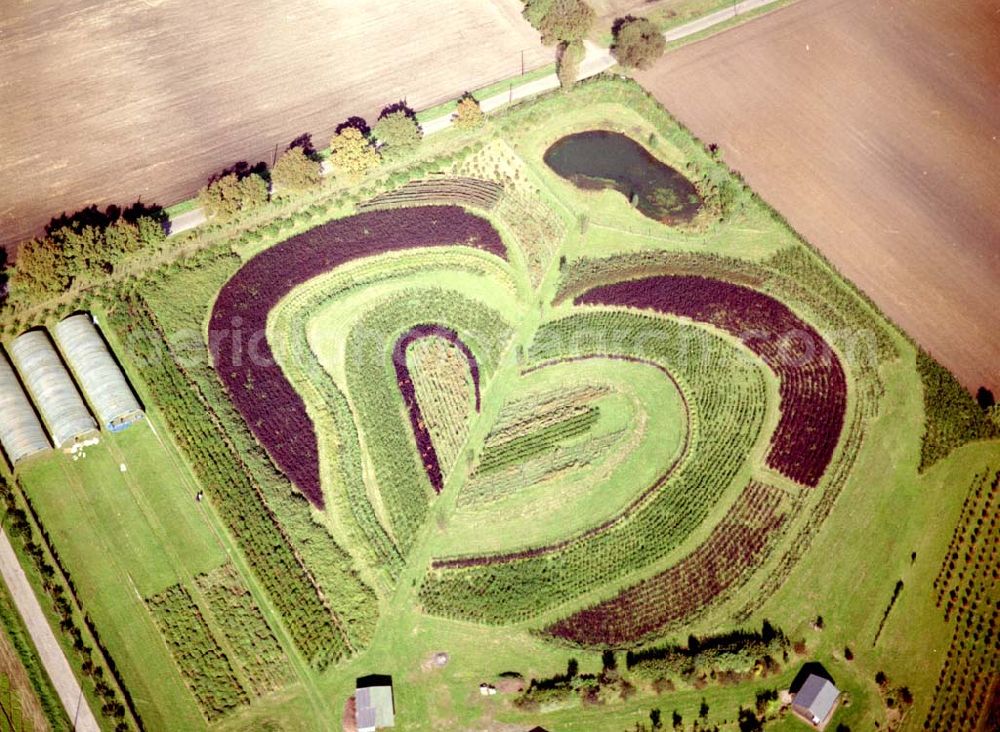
(42, 395)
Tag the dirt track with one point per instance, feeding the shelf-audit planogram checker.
(874, 127)
(108, 100)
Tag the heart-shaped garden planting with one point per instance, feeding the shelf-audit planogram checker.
(587, 448)
(272, 408)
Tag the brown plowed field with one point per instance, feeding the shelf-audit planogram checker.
(105, 101)
(874, 127)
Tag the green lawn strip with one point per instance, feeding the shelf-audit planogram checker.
(103, 577)
(168, 502)
(740, 19)
(181, 208)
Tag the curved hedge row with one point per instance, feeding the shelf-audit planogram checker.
(730, 553)
(342, 447)
(421, 433)
(813, 386)
(243, 359)
(373, 387)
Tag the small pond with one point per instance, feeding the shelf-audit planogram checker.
(601, 159)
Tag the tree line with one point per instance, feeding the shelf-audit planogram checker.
(94, 243)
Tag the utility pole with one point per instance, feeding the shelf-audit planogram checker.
(522, 62)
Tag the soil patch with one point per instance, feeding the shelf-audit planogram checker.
(871, 126)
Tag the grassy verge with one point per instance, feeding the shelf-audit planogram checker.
(16, 634)
(180, 208)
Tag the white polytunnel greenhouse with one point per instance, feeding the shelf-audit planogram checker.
(99, 375)
(51, 388)
(21, 434)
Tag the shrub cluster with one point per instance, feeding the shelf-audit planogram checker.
(203, 663)
(952, 417)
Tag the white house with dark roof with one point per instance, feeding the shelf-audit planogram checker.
(816, 700)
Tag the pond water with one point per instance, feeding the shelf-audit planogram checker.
(602, 159)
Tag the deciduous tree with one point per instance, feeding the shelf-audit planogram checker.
(560, 20)
(296, 171)
(351, 153)
(568, 62)
(468, 115)
(233, 194)
(397, 130)
(638, 43)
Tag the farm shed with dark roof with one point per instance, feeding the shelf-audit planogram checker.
(103, 383)
(51, 388)
(21, 434)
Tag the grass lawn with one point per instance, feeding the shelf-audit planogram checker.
(123, 537)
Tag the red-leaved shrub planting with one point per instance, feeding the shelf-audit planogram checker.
(813, 388)
(243, 359)
(734, 547)
(425, 445)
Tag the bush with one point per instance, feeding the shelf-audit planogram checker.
(232, 194)
(637, 42)
(296, 171)
(352, 154)
(568, 63)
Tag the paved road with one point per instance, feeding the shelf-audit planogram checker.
(596, 60)
(49, 652)
(187, 220)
